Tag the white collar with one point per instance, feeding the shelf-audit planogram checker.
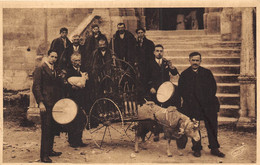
(195, 70)
(122, 35)
(103, 52)
(76, 47)
(49, 65)
(159, 61)
(77, 69)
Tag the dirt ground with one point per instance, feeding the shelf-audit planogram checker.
(22, 145)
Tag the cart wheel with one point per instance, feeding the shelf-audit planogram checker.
(105, 122)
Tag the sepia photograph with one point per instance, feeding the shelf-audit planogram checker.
(129, 82)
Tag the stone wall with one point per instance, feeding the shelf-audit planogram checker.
(23, 31)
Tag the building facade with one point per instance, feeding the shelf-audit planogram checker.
(225, 36)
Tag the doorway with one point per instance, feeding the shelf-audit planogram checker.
(174, 18)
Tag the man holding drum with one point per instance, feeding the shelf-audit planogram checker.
(198, 88)
(46, 92)
(158, 73)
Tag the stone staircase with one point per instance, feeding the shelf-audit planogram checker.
(221, 57)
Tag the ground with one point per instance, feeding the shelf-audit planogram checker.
(22, 145)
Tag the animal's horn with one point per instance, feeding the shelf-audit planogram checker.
(181, 131)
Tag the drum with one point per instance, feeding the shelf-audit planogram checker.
(165, 92)
(64, 111)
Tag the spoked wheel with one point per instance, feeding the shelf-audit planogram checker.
(105, 122)
(131, 130)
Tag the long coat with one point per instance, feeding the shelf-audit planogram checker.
(46, 89)
(198, 91)
(91, 44)
(99, 60)
(78, 95)
(125, 48)
(144, 51)
(57, 45)
(144, 54)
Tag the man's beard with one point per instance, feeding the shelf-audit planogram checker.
(121, 31)
(195, 66)
(102, 48)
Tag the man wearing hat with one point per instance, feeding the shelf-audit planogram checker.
(46, 90)
(197, 87)
(60, 44)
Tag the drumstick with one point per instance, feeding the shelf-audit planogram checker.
(57, 111)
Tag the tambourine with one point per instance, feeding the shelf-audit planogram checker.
(64, 111)
(165, 91)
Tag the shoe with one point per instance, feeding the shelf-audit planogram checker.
(197, 154)
(82, 145)
(216, 152)
(46, 159)
(53, 153)
(74, 145)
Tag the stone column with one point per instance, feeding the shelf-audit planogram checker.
(141, 17)
(212, 20)
(247, 78)
(33, 112)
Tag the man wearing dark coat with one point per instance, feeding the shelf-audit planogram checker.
(144, 48)
(101, 56)
(47, 92)
(197, 87)
(60, 44)
(158, 72)
(75, 47)
(144, 54)
(124, 44)
(77, 94)
(91, 42)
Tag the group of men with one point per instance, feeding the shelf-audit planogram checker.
(197, 85)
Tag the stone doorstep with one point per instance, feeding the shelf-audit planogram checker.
(226, 120)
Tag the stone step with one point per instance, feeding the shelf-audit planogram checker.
(205, 60)
(186, 44)
(226, 78)
(176, 32)
(180, 39)
(227, 52)
(220, 78)
(228, 99)
(215, 69)
(222, 120)
(232, 88)
(229, 111)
